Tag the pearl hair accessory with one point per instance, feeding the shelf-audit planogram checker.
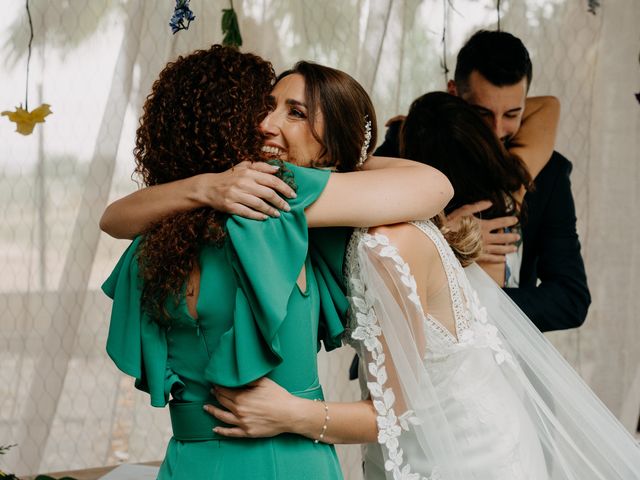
(367, 141)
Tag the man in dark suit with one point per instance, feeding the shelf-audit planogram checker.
(493, 73)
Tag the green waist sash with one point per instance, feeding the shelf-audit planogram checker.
(190, 423)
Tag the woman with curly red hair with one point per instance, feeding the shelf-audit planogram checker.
(203, 299)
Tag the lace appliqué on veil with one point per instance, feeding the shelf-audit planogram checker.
(365, 329)
(472, 327)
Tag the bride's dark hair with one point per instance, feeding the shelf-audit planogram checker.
(202, 116)
(445, 132)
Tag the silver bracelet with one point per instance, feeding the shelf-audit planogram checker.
(326, 420)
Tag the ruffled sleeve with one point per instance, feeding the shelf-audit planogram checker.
(327, 249)
(137, 344)
(267, 257)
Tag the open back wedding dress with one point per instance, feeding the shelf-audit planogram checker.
(492, 400)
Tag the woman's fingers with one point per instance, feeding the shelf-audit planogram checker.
(231, 432)
(246, 212)
(268, 189)
(247, 189)
(260, 166)
(260, 192)
(268, 196)
(222, 415)
(256, 204)
(265, 176)
(226, 396)
(259, 409)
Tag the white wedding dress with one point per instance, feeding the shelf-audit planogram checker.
(483, 402)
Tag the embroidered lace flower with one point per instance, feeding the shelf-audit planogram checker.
(367, 330)
(486, 334)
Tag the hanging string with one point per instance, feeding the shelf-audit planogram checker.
(24, 119)
(26, 94)
(445, 22)
(498, 8)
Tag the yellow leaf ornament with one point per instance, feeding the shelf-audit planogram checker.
(25, 120)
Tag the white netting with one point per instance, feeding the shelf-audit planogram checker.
(94, 61)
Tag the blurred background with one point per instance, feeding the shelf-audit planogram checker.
(61, 399)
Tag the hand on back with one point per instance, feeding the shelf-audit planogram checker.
(495, 242)
(249, 189)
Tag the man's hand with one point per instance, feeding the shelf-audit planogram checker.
(248, 189)
(495, 242)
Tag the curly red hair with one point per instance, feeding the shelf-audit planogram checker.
(202, 116)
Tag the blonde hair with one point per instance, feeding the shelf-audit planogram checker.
(465, 240)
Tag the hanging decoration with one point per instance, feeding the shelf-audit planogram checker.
(7, 476)
(230, 27)
(24, 119)
(183, 16)
(637, 95)
(445, 22)
(181, 13)
(593, 6)
(498, 11)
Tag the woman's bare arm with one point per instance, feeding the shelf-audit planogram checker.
(265, 409)
(534, 144)
(247, 189)
(536, 137)
(389, 190)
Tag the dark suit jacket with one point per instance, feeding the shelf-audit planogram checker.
(551, 249)
(551, 253)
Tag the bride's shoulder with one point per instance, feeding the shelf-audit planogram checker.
(411, 242)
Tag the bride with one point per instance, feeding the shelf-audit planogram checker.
(462, 388)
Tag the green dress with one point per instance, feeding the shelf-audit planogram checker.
(253, 320)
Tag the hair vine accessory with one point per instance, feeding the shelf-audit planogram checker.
(367, 140)
(326, 421)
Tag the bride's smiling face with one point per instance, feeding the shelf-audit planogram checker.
(286, 129)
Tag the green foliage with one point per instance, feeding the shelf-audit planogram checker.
(5, 448)
(230, 28)
(7, 476)
(10, 476)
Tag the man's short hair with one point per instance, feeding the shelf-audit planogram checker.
(499, 57)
